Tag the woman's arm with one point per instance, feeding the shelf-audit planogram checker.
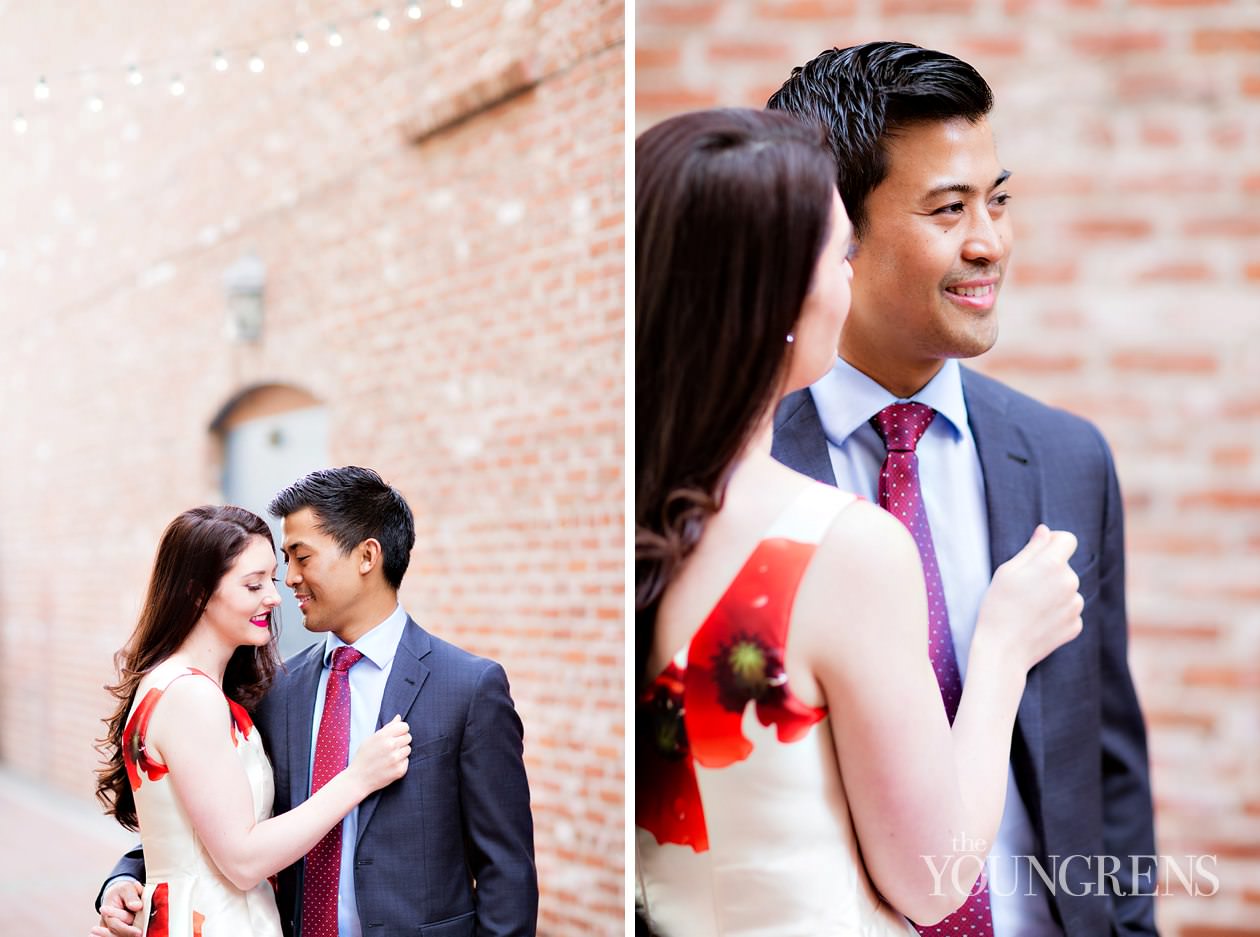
(926, 801)
(190, 732)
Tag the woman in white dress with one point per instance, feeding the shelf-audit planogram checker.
(184, 763)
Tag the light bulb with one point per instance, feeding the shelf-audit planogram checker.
(334, 37)
(382, 21)
(256, 64)
(41, 89)
(457, 3)
(177, 86)
(300, 45)
(95, 104)
(413, 11)
(220, 62)
(133, 76)
(19, 124)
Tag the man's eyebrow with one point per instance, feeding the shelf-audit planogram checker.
(285, 548)
(963, 188)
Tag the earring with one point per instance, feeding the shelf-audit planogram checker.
(791, 338)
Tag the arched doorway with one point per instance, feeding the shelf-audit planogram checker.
(272, 435)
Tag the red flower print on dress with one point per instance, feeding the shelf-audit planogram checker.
(242, 725)
(136, 757)
(693, 714)
(198, 920)
(159, 912)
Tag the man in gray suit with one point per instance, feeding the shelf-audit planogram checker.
(919, 176)
(446, 851)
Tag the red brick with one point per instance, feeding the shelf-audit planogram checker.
(678, 14)
(1226, 40)
(770, 52)
(1097, 229)
(920, 7)
(1227, 500)
(1238, 227)
(1226, 677)
(1118, 43)
(649, 57)
(1252, 271)
(1184, 272)
(1160, 135)
(1048, 274)
(994, 46)
(1250, 85)
(804, 10)
(1032, 363)
(1165, 362)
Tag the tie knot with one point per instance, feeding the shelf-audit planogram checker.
(902, 425)
(345, 657)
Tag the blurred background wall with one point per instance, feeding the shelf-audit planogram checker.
(403, 251)
(1133, 130)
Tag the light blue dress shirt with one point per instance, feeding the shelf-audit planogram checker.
(367, 688)
(953, 495)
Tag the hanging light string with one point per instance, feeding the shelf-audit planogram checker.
(173, 74)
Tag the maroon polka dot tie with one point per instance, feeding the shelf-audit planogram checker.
(901, 426)
(322, 872)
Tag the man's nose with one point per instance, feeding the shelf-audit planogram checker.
(988, 239)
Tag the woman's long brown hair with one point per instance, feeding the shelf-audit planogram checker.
(732, 210)
(195, 552)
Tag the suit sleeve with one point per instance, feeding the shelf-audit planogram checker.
(130, 865)
(498, 824)
(1128, 817)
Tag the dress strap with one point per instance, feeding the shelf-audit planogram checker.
(810, 514)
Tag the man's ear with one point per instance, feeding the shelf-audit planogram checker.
(369, 555)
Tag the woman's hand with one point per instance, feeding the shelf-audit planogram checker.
(382, 758)
(1032, 606)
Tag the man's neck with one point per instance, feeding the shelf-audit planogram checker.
(901, 378)
(369, 613)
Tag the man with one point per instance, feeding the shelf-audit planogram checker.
(447, 849)
(920, 179)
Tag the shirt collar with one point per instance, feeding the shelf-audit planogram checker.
(377, 645)
(846, 398)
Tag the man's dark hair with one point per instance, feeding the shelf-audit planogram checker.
(353, 504)
(866, 94)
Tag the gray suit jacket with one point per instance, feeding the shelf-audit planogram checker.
(1079, 749)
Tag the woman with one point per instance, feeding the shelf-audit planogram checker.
(747, 825)
(185, 765)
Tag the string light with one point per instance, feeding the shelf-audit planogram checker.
(135, 76)
(456, 4)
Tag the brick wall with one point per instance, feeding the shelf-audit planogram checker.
(1132, 127)
(440, 208)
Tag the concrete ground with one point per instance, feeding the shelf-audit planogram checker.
(56, 852)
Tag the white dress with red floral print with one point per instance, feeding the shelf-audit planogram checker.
(742, 824)
(185, 894)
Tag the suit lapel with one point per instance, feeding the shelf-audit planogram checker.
(299, 721)
(799, 440)
(406, 677)
(1013, 496)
